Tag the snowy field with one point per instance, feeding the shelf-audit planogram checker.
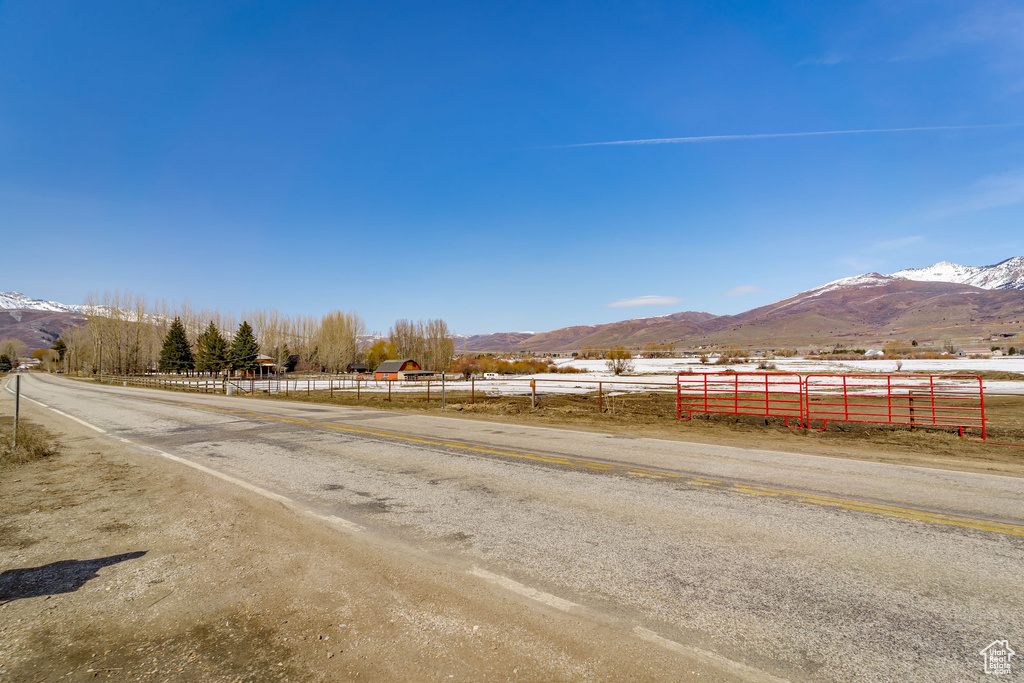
(665, 369)
(656, 374)
(670, 366)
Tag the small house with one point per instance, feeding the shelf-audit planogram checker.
(397, 369)
(356, 368)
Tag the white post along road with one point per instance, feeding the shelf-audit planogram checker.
(770, 565)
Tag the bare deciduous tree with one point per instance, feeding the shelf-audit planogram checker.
(428, 342)
(620, 360)
(338, 340)
(13, 349)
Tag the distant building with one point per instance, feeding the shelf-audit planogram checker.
(975, 351)
(357, 367)
(404, 368)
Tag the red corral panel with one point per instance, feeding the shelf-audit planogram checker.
(771, 394)
(916, 400)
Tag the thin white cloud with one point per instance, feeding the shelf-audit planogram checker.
(858, 264)
(899, 243)
(638, 301)
(990, 192)
(873, 257)
(765, 136)
(990, 31)
(828, 59)
(741, 290)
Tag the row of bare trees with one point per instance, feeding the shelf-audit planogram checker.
(125, 333)
(429, 342)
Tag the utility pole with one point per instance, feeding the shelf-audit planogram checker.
(442, 390)
(17, 405)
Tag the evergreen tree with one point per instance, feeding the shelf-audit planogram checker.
(5, 364)
(61, 348)
(211, 350)
(244, 348)
(176, 356)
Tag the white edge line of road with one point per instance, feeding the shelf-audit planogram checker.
(707, 658)
(59, 412)
(526, 591)
(288, 502)
(704, 656)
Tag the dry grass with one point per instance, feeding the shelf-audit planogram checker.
(34, 442)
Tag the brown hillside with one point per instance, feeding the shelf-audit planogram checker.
(636, 331)
(871, 309)
(38, 329)
(500, 341)
(886, 308)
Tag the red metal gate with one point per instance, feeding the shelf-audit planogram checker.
(915, 400)
(770, 394)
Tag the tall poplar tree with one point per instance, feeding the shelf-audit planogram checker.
(244, 348)
(176, 355)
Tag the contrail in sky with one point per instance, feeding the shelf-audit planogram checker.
(763, 136)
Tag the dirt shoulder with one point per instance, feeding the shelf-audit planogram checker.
(121, 565)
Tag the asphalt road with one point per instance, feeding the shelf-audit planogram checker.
(790, 566)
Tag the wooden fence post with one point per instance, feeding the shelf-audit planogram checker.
(913, 427)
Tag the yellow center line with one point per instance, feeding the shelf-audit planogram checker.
(895, 511)
(860, 506)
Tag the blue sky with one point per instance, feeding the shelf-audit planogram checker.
(433, 159)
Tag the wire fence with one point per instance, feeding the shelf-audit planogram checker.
(951, 401)
(606, 394)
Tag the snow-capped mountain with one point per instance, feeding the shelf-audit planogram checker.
(17, 300)
(865, 280)
(1008, 274)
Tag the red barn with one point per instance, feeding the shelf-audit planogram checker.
(396, 369)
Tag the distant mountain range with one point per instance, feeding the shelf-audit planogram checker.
(942, 300)
(1008, 274)
(18, 301)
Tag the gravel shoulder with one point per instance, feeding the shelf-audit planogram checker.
(117, 564)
